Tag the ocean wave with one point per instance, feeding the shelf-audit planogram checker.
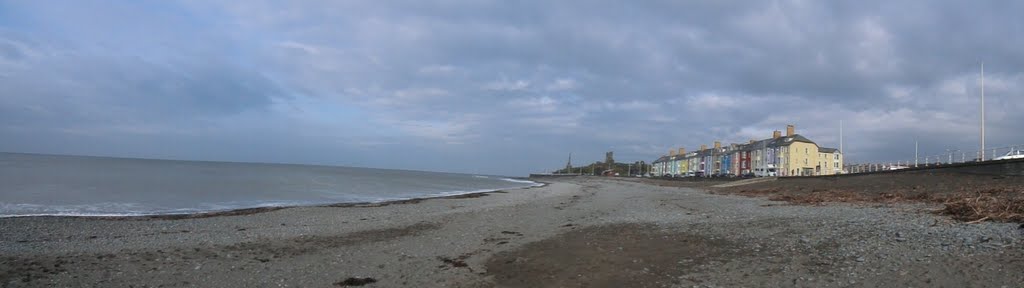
(111, 209)
(95, 209)
(457, 193)
(199, 187)
(91, 214)
(521, 181)
(130, 209)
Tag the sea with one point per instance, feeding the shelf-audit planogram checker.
(58, 185)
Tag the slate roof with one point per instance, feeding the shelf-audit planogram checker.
(827, 150)
(661, 159)
(769, 142)
(786, 140)
(744, 147)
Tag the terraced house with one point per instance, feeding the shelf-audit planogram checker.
(789, 155)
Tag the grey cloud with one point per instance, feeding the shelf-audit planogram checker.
(524, 83)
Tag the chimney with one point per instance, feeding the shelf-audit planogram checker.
(776, 134)
(671, 152)
(718, 145)
(682, 150)
(790, 130)
(703, 147)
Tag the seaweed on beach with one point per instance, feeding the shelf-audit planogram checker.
(997, 204)
(963, 196)
(830, 195)
(1001, 205)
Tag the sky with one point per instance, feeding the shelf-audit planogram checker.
(502, 87)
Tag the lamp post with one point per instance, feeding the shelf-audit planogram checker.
(983, 112)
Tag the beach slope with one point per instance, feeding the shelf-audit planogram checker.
(577, 232)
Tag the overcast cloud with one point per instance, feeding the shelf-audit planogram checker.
(501, 87)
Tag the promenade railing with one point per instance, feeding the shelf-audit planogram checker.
(950, 156)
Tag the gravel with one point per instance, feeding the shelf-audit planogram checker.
(458, 242)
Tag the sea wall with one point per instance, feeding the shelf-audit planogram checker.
(1011, 167)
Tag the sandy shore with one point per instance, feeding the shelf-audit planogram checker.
(573, 233)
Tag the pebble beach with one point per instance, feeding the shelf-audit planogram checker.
(573, 232)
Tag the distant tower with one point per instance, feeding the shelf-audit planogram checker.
(568, 165)
(609, 160)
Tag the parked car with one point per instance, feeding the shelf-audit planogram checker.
(1015, 154)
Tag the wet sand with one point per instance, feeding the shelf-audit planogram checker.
(585, 232)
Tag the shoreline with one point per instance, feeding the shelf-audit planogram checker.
(264, 209)
(592, 232)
